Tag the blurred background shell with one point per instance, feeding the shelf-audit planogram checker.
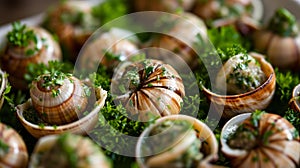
(13, 152)
(67, 150)
(15, 60)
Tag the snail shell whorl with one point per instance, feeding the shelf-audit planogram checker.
(66, 107)
(159, 92)
(17, 156)
(281, 150)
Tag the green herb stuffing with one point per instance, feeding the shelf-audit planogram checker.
(284, 23)
(20, 35)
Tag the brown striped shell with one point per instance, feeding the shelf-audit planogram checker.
(16, 155)
(180, 38)
(64, 108)
(162, 5)
(72, 36)
(3, 85)
(50, 151)
(150, 87)
(282, 52)
(15, 61)
(81, 126)
(277, 145)
(209, 149)
(231, 105)
(295, 100)
(108, 49)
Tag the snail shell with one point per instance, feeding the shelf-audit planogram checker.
(295, 100)
(72, 36)
(259, 98)
(53, 151)
(16, 156)
(213, 9)
(80, 127)
(111, 42)
(281, 150)
(3, 81)
(64, 108)
(282, 52)
(280, 40)
(161, 5)
(180, 38)
(154, 88)
(203, 132)
(15, 61)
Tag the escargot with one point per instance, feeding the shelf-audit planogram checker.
(176, 141)
(73, 23)
(179, 38)
(262, 140)
(13, 151)
(248, 88)
(67, 150)
(242, 74)
(59, 98)
(244, 15)
(161, 5)
(108, 49)
(280, 41)
(27, 45)
(148, 87)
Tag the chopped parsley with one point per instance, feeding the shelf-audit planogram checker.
(20, 35)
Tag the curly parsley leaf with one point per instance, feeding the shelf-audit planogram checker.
(53, 67)
(286, 81)
(20, 35)
(293, 117)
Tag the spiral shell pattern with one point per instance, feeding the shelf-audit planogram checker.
(160, 91)
(17, 156)
(277, 145)
(64, 108)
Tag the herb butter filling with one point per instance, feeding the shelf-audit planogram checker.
(242, 74)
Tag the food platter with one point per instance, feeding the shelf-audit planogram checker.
(143, 86)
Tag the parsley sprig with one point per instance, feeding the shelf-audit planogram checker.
(52, 75)
(20, 35)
